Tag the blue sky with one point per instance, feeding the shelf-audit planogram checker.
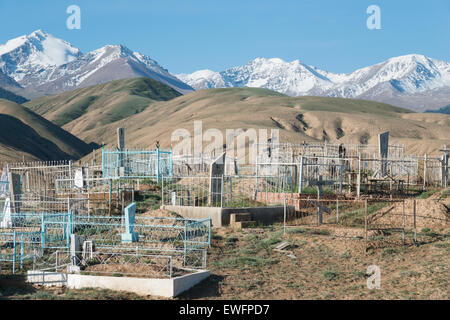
(185, 36)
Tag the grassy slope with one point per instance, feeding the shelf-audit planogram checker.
(96, 106)
(301, 118)
(30, 134)
(94, 113)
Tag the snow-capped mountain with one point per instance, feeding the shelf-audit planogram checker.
(30, 59)
(203, 79)
(108, 63)
(404, 81)
(43, 63)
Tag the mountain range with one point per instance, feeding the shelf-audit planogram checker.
(41, 64)
(412, 81)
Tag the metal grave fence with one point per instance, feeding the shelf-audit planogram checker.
(136, 163)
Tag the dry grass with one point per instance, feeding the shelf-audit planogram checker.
(244, 265)
(326, 267)
(24, 133)
(300, 118)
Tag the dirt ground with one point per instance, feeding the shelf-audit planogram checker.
(141, 270)
(326, 262)
(430, 213)
(322, 265)
(245, 266)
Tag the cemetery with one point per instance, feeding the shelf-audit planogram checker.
(94, 224)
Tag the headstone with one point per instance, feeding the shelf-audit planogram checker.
(383, 145)
(88, 250)
(130, 235)
(79, 181)
(174, 198)
(7, 219)
(120, 139)
(445, 163)
(76, 242)
(216, 172)
(120, 146)
(15, 189)
(4, 182)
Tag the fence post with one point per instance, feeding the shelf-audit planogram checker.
(34, 259)
(118, 193)
(123, 201)
(284, 218)
(403, 222)
(103, 161)
(14, 251)
(300, 184)
(341, 175)
(209, 232)
(21, 250)
(162, 191)
(424, 172)
(185, 243)
(157, 164)
(365, 224)
(231, 190)
(256, 180)
(358, 191)
(337, 210)
(221, 192)
(110, 196)
(42, 232)
(171, 162)
(415, 226)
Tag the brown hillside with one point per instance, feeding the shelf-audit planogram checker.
(26, 134)
(300, 118)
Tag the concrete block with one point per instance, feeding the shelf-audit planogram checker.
(167, 287)
(240, 216)
(73, 269)
(130, 237)
(220, 217)
(141, 286)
